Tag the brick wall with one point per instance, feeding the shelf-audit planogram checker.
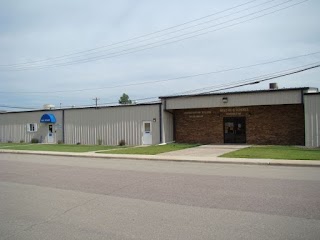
(276, 124)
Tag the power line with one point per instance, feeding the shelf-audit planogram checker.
(253, 80)
(131, 39)
(169, 79)
(7, 106)
(145, 46)
(241, 83)
(266, 79)
(168, 33)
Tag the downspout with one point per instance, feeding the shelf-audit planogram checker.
(63, 138)
(160, 117)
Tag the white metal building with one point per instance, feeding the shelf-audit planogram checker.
(312, 119)
(135, 124)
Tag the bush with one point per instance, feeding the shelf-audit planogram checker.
(21, 141)
(60, 141)
(9, 141)
(34, 140)
(99, 141)
(78, 143)
(122, 142)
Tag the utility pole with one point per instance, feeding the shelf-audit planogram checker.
(96, 100)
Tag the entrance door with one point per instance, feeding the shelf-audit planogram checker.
(50, 134)
(234, 130)
(146, 133)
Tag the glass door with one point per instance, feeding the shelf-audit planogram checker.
(234, 130)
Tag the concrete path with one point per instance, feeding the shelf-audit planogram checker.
(205, 151)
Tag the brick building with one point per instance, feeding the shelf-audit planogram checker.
(273, 116)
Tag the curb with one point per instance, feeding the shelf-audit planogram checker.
(242, 161)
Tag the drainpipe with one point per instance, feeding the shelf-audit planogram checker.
(160, 121)
(63, 140)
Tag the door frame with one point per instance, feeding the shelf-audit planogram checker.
(143, 132)
(235, 119)
(52, 138)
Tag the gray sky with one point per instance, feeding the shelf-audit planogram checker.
(33, 31)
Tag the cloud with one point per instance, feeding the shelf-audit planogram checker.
(33, 30)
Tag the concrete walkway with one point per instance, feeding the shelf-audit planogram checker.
(207, 151)
(203, 154)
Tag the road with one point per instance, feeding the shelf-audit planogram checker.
(47, 197)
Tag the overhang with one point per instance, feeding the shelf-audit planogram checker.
(48, 118)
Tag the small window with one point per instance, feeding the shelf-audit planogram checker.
(147, 127)
(32, 127)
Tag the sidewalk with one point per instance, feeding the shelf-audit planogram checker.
(206, 159)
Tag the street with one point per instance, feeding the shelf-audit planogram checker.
(50, 197)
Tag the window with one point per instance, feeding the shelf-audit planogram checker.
(32, 127)
(147, 127)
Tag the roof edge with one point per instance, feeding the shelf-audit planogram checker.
(239, 92)
(80, 108)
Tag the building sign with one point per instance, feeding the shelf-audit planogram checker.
(234, 111)
(197, 114)
(48, 118)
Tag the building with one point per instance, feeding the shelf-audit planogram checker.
(135, 124)
(274, 116)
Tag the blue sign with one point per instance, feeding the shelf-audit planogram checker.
(48, 118)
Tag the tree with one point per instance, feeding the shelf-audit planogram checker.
(124, 99)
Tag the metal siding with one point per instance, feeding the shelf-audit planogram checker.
(234, 100)
(13, 126)
(312, 120)
(167, 125)
(111, 125)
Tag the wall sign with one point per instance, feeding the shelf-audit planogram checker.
(197, 114)
(234, 111)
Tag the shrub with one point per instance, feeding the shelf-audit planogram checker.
(34, 140)
(78, 143)
(9, 141)
(99, 141)
(122, 142)
(21, 141)
(60, 141)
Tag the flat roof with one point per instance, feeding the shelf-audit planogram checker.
(237, 92)
(312, 93)
(79, 108)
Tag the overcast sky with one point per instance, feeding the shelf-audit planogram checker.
(44, 47)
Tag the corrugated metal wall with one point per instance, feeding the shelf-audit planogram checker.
(112, 124)
(234, 100)
(167, 126)
(312, 120)
(13, 126)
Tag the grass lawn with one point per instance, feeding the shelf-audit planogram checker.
(56, 147)
(276, 152)
(152, 150)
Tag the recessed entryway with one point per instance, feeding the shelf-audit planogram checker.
(234, 129)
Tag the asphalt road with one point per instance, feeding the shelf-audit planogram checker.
(46, 197)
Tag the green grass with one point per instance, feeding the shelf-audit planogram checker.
(276, 152)
(152, 150)
(56, 147)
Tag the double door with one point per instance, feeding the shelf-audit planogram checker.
(234, 129)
